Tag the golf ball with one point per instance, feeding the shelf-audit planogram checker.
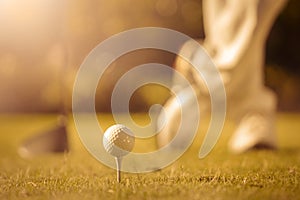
(118, 140)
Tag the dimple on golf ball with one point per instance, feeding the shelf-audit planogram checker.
(118, 140)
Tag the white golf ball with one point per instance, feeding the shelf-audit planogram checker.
(118, 140)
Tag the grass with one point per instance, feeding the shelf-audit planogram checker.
(221, 175)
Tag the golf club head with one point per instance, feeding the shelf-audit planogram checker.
(53, 140)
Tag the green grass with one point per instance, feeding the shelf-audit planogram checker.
(221, 175)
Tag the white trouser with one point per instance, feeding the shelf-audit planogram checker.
(236, 32)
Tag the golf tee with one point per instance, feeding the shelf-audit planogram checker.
(119, 163)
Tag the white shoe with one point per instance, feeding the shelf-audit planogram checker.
(254, 131)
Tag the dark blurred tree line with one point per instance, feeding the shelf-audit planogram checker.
(283, 59)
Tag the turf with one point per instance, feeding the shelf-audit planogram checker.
(221, 175)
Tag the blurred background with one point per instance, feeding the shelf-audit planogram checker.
(43, 43)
